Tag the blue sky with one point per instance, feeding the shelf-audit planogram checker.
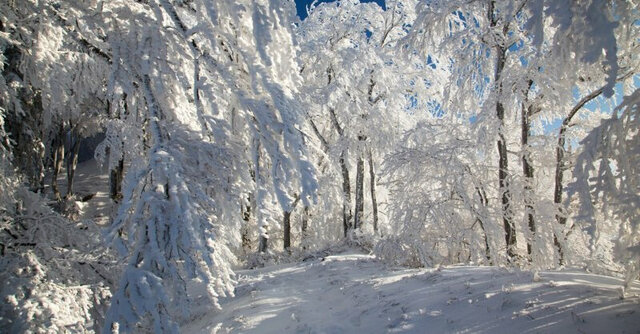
(301, 5)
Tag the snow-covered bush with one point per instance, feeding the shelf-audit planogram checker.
(34, 301)
(397, 251)
(55, 275)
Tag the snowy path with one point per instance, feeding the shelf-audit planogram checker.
(90, 179)
(354, 293)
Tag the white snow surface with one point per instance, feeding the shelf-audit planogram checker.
(356, 293)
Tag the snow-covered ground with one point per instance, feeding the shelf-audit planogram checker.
(90, 179)
(355, 293)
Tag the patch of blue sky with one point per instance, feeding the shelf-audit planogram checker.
(430, 62)
(302, 5)
(368, 33)
(600, 104)
(435, 108)
(516, 46)
(524, 61)
(406, 27)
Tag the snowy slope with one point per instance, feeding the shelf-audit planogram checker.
(355, 293)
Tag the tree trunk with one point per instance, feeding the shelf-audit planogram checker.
(58, 158)
(246, 218)
(560, 162)
(38, 180)
(359, 211)
(286, 223)
(503, 162)
(346, 193)
(503, 177)
(374, 201)
(263, 245)
(263, 242)
(305, 227)
(287, 230)
(116, 176)
(485, 202)
(346, 182)
(528, 172)
(72, 164)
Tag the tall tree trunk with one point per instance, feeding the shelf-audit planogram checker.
(116, 176)
(561, 217)
(528, 172)
(557, 193)
(485, 202)
(305, 227)
(72, 163)
(346, 182)
(374, 201)
(263, 225)
(503, 171)
(287, 230)
(346, 193)
(347, 216)
(39, 148)
(39, 180)
(263, 244)
(359, 210)
(58, 158)
(503, 162)
(246, 223)
(286, 223)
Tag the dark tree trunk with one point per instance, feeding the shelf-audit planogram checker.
(503, 162)
(287, 230)
(58, 159)
(346, 182)
(347, 216)
(246, 223)
(72, 164)
(263, 239)
(485, 202)
(305, 227)
(528, 171)
(503, 181)
(359, 209)
(39, 166)
(263, 245)
(286, 222)
(116, 176)
(38, 155)
(346, 193)
(561, 217)
(374, 201)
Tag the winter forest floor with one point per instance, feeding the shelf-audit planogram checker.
(355, 293)
(90, 179)
(350, 292)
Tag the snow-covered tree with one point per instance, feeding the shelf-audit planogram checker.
(172, 64)
(607, 180)
(354, 85)
(56, 273)
(497, 65)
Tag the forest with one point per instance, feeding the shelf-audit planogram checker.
(232, 134)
